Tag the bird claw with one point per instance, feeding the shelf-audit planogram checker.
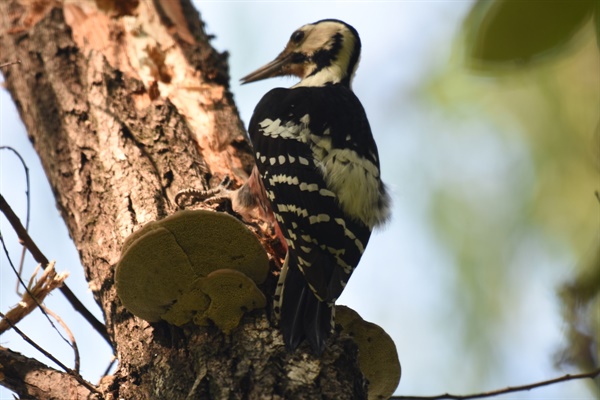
(191, 197)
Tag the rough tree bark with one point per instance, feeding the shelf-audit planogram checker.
(126, 104)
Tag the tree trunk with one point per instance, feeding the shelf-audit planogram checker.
(127, 104)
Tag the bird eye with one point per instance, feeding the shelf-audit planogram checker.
(297, 36)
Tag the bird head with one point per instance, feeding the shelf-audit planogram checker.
(324, 52)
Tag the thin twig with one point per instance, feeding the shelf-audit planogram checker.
(20, 272)
(511, 389)
(69, 371)
(27, 212)
(37, 299)
(113, 360)
(9, 63)
(35, 293)
(41, 258)
(69, 333)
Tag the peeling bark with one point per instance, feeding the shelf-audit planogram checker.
(127, 104)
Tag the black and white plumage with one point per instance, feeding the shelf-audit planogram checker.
(319, 166)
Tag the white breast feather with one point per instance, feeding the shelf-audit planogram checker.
(355, 181)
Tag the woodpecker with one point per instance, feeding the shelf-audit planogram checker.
(319, 170)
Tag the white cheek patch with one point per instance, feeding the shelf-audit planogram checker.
(324, 38)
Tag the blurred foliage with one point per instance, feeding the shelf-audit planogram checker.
(534, 88)
(513, 32)
(581, 298)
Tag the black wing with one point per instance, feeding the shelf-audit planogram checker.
(306, 210)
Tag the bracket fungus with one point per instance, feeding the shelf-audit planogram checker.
(377, 355)
(231, 294)
(192, 266)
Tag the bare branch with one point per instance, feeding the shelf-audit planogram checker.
(511, 389)
(68, 370)
(30, 379)
(41, 258)
(34, 296)
(35, 293)
(73, 342)
(112, 362)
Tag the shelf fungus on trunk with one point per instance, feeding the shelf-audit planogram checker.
(377, 355)
(193, 266)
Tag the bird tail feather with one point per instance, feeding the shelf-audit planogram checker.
(303, 315)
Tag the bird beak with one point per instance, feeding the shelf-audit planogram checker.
(277, 67)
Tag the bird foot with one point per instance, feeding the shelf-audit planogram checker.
(191, 197)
